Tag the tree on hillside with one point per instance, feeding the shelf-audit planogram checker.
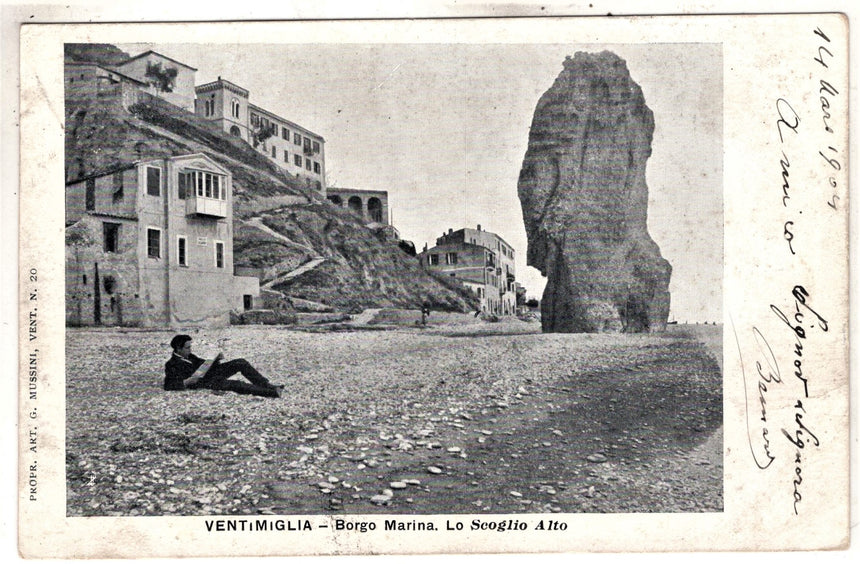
(163, 79)
(261, 134)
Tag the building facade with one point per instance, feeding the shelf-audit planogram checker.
(168, 78)
(370, 205)
(151, 244)
(482, 261)
(90, 80)
(295, 149)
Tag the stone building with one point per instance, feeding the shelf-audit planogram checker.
(91, 80)
(178, 85)
(482, 261)
(151, 244)
(292, 147)
(370, 205)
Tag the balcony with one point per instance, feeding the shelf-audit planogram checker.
(202, 206)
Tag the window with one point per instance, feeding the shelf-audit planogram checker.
(255, 119)
(434, 259)
(297, 159)
(183, 185)
(273, 129)
(247, 301)
(153, 181)
(91, 194)
(117, 187)
(234, 107)
(206, 184)
(316, 147)
(153, 243)
(219, 254)
(308, 164)
(210, 106)
(182, 251)
(316, 167)
(111, 237)
(285, 133)
(450, 258)
(274, 152)
(286, 157)
(297, 139)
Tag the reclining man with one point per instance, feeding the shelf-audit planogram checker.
(187, 371)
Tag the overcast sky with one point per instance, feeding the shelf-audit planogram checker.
(444, 129)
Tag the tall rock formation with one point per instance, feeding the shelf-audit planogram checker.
(585, 202)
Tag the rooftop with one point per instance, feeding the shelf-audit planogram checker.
(151, 52)
(289, 123)
(232, 86)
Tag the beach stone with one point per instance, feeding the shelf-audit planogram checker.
(397, 485)
(516, 494)
(584, 198)
(380, 499)
(434, 470)
(596, 457)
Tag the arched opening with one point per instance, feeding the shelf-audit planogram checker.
(336, 200)
(374, 210)
(355, 205)
(235, 131)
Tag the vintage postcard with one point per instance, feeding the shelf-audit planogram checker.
(434, 286)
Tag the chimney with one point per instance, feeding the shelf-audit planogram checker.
(425, 247)
(479, 227)
(450, 231)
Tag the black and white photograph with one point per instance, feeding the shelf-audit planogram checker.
(405, 279)
(433, 286)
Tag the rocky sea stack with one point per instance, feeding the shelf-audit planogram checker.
(585, 202)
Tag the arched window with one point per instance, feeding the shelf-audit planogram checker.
(355, 205)
(235, 131)
(234, 107)
(336, 200)
(374, 210)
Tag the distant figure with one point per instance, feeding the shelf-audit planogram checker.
(185, 371)
(425, 313)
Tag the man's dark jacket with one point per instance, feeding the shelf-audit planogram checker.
(179, 369)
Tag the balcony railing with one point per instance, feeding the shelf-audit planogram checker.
(206, 207)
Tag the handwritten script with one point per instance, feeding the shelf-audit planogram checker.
(778, 368)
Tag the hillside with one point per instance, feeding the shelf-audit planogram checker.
(279, 223)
